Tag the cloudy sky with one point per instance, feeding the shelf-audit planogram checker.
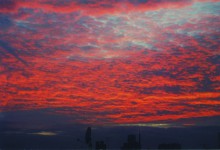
(111, 62)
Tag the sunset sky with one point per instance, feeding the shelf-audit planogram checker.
(111, 62)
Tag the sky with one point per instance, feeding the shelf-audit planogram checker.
(110, 62)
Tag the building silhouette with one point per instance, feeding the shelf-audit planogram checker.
(100, 145)
(132, 143)
(219, 140)
(88, 137)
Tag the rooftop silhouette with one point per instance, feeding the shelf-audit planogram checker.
(131, 143)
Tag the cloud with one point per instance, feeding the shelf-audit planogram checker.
(93, 7)
(45, 133)
(5, 22)
(120, 68)
(7, 5)
(10, 50)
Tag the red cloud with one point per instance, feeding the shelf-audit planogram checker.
(148, 85)
(94, 7)
(8, 6)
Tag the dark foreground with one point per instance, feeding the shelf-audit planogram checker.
(112, 137)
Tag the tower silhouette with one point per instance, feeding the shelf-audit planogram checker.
(88, 137)
(131, 143)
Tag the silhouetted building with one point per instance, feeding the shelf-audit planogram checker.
(219, 140)
(100, 145)
(88, 137)
(169, 146)
(131, 143)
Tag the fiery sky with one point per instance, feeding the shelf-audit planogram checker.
(111, 61)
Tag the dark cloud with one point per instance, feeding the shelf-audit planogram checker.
(7, 5)
(206, 84)
(12, 51)
(214, 59)
(168, 112)
(5, 22)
